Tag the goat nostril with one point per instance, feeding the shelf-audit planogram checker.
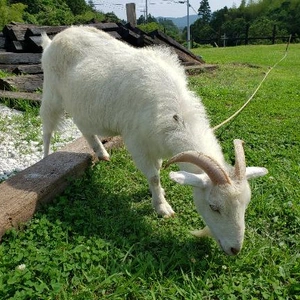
(235, 251)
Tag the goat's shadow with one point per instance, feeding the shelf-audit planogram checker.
(104, 209)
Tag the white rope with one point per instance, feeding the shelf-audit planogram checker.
(252, 96)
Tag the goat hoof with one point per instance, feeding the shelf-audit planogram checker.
(170, 216)
(165, 210)
(104, 158)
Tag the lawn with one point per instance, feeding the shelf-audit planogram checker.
(102, 240)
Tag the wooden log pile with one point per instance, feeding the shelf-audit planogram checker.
(20, 50)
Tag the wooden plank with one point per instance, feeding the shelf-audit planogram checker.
(186, 58)
(115, 34)
(105, 26)
(34, 44)
(182, 55)
(50, 30)
(27, 69)
(16, 46)
(22, 194)
(20, 95)
(2, 41)
(7, 67)
(20, 58)
(145, 39)
(198, 69)
(131, 37)
(171, 42)
(25, 83)
(22, 69)
(16, 31)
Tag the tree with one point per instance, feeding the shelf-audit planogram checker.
(170, 28)
(58, 12)
(149, 27)
(111, 17)
(141, 20)
(201, 29)
(77, 7)
(10, 13)
(218, 18)
(204, 11)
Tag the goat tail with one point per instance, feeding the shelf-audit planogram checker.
(46, 41)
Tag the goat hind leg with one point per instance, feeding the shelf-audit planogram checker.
(51, 116)
(97, 146)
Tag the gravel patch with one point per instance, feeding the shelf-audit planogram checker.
(17, 150)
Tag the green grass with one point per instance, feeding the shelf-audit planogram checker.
(102, 240)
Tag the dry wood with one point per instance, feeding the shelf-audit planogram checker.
(16, 31)
(20, 58)
(34, 44)
(50, 30)
(22, 194)
(171, 42)
(106, 26)
(115, 35)
(24, 83)
(20, 95)
(2, 41)
(27, 69)
(16, 46)
(131, 37)
(8, 67)
(198, 69)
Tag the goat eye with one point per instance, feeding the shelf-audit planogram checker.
(214, 208)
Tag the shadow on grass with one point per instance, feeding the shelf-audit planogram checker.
(100, 205)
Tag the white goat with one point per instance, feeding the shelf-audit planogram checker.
(110, 88)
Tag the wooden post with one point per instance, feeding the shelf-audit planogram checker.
(131, 15)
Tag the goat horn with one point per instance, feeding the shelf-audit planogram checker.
(214, 171)
(240, 162)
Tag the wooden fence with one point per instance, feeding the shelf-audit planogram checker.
(244, 39)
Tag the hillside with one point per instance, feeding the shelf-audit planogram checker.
(182, 21)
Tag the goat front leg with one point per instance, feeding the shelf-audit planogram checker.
(150, 167)
(97, 146)
(159, 202)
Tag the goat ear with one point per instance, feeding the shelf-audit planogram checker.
(253, 172)
(186, 178)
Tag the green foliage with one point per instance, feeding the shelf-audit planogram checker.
(51, 12)
(161, 24)
(170, 28)
(10, 13)
(149, 27)
(264, 27)
(101, 239)
(111, 17)
(260, 16)
(77, 7)
(201, 31)
(204, 12)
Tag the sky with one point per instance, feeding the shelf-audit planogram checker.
(160, 8)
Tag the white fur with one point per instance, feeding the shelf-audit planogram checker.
(111, 88)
